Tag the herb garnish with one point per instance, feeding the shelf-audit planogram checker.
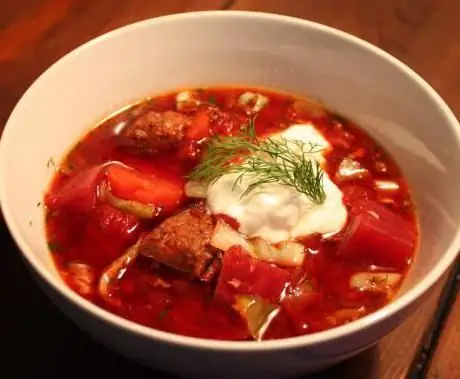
(53, 246)
(267, 160)
(163, 313)
(51, 163)
(212, 100)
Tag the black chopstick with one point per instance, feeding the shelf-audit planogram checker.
(421, 362)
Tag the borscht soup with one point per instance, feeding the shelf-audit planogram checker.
(233, 214)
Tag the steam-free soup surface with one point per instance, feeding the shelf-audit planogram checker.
(231, 213)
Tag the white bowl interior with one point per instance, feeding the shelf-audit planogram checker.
(389, 101)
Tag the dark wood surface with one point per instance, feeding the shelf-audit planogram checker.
(40, 342)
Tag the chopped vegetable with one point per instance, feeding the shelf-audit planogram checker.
(350, 169)
(183, 96)
(378, 236)
(256, 100)
(199, 128)
(243, 275)
(224, 237)
(79, 192)
(381, 167)
(185, 100)
(81, 277)
(196, 189)
(307, 109)
(386, 185)
(129, 206)
(299, 298)
(114, 272)
(129, 184)
(375, 282)
(256, 312)
(287, 253)
(120, 226)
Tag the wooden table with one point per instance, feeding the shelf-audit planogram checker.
(41, 342)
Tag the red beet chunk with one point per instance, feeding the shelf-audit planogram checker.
(243, 275)
(121, 226)
(77, 193)
(378, 236)
(299, 303)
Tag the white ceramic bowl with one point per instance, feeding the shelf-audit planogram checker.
(353, 77)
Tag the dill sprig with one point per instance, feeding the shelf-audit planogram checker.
(265, 160)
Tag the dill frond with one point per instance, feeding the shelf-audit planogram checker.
(266, 160)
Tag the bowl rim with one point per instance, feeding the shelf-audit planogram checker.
(56, 283)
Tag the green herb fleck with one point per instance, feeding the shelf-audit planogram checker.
(162, 314)
(67, 168)
(53, 246)
(51, 163)
(39, 204)
(212, 99)
(268, 160)
(30, 222)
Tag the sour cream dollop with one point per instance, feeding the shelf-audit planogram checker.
(277, 212)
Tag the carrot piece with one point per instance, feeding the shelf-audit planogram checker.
(129, 184)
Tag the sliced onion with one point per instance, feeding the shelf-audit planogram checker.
(224, 237)
(386, 185)
(350, 169)
(128, 206)
(187, 101)
(81, 277)
(183, 96)
(114, 272)
(263, 250)
(257, 312)
(258, 100)
(287, 253)
(196, 189)
(375, 282)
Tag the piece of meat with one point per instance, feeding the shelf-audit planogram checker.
(155, 132)
(182, 241)
(213, 269)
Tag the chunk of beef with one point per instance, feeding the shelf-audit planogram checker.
(182, 241)
(155, 132)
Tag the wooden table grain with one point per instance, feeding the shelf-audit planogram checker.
(40, 341)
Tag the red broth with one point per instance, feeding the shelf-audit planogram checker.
(84, 240)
